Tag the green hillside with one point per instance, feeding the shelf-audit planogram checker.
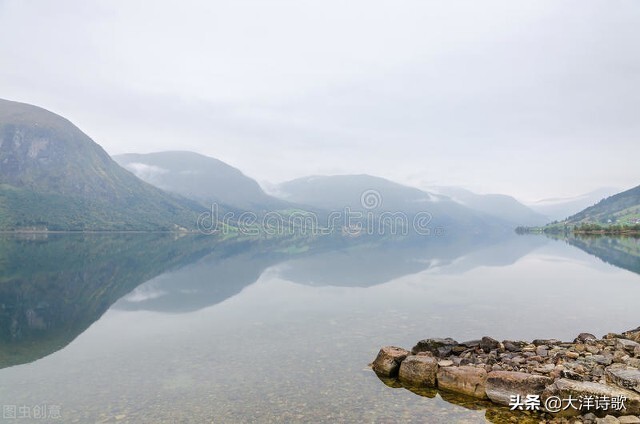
(616, 215)
(620, 209)
(54, 177)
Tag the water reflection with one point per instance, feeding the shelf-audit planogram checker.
(246, 330)
(493, 413)
(373, 264)
(54, 287)
(623, 252)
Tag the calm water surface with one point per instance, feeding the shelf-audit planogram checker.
(153, 329)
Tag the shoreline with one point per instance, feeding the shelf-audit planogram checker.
(595, 380)
(627, 231)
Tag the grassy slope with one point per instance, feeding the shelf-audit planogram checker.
(53, 175)
(622, 208)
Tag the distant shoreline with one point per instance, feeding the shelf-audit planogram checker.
(97, 232)
(587, 229)
(607, 232)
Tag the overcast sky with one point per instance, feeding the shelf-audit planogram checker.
(532, 98)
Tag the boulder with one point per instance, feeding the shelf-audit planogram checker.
(626, 345)
(514, 346)
(623, 376)
(600, 359)
(609, 419)
(563, 388)
(629, 419)
(466, 380)
(418, 371)
(501, 385)
(633, 335)
(585, 337)
(487, 344)
(572, 355)
(437, 347)
(548, 342)
(387, 363)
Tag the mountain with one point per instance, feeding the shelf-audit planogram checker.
(498, 205)
(366, 193)
(201, 178)
(560, 208)
(339, 191)
(622, 208)
(54, 177)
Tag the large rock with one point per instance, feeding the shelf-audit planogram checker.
(487, 344)
(627, 345)
(437, 347)
(387, 363)
(419, 371)
(633, 362)
(563, 388)
(585, 337)
(501, 385)
(623, 376)
(514, 345)
(629, 419)
(467, 380)
(633, 335)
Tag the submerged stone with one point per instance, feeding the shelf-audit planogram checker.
(501, 385)
(466, 380)
(563, 388)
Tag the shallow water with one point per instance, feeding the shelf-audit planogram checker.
(149, 329)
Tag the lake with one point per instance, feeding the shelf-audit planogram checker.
(151, 328)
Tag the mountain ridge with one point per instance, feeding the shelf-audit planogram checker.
(622, 208)
(372, 194)
(202, 178)
(55, 177)
(500, 205)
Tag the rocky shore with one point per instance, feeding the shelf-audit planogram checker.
(590, 380)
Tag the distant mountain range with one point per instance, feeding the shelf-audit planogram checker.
(366, 193)
(54, 177)
(499, 205)
(200, 178)
(557, 209)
